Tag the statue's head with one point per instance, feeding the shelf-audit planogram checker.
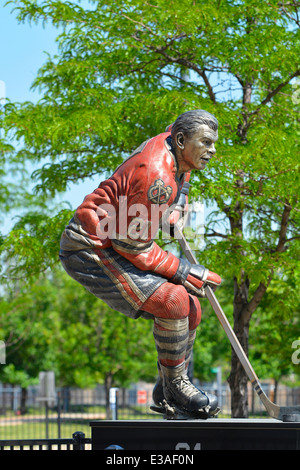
(194, 134)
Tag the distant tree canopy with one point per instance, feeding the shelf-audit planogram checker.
(123, 72)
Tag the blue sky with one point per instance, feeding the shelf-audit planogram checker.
(22, 52)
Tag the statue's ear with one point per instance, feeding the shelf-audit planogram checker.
(180, 140)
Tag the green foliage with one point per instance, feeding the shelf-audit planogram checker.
(120, 77)
(53, 325)
(118, 58)
(212, 348)
(276, 325)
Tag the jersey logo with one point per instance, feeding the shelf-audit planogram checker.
(159, 193)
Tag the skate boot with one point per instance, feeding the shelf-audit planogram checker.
(174, 395)
(158, 392)
(160, 401)
(183, 399)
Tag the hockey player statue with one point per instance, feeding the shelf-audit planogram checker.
(109, 247)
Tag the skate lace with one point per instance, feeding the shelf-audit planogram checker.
(184, 385)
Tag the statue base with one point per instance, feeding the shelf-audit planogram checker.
(193, 435)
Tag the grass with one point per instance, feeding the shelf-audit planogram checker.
(33, 424)
(38, 431)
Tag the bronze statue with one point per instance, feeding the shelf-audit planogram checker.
(109, 247)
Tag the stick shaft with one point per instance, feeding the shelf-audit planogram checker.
(272, 409)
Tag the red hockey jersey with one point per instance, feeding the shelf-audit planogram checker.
(126, 210)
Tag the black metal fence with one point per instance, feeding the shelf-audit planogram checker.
(32, 418)
(77, 442)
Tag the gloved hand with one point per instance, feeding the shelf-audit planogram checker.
(200, 276)
(194, 276)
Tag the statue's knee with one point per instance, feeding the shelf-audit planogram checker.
(176, 302)
(168, 301)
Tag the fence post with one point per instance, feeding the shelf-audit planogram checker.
(78, 440)
(58, 415)
(113, 401)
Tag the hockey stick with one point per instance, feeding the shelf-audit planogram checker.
(282, 413)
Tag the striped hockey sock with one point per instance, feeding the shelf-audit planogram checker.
(189, 349)
(171, 340)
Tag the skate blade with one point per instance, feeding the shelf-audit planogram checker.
(157, 409)
(172, 412)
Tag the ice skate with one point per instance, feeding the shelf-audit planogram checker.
(177, 398)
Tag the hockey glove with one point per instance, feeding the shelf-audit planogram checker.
(194, 277)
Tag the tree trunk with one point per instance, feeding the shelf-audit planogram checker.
(23, 408)
(238, 378)
(275, 390)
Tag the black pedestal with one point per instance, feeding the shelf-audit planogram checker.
(212, 434)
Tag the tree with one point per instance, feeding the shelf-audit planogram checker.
(25, 328)
(277, 326)
(51, 326)
(120, 77)
(95, 344)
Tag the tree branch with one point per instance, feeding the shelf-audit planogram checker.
(283, 228)
(216, 234)
(190, 65)
(255, 301)
(291, 17)
(180, 79)
(275, 91)
(261, 289)
(209, 87)
(292, 238)
(162, 50)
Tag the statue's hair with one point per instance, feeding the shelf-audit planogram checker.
(189, 122)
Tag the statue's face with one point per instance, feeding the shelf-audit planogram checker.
(196, 152)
